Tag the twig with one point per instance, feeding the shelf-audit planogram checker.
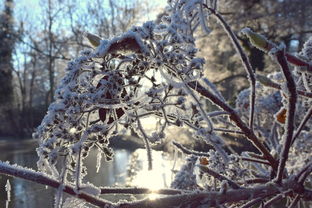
(147, 144)
(254, 180)
(190, 152)
(295, 201)
(304, 176)
(245, 62)
(274, 199)
(228, 131)
(303, 170)
(289, 126)
(219, 176)
(302, 124)
(252, 202)
(255, 160)
(269, 83)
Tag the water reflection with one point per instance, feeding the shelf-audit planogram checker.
(127, 168)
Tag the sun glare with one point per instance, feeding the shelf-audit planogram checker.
(157, 178)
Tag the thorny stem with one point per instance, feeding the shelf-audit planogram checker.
(289, 126)
(244, 58)
(237, 120)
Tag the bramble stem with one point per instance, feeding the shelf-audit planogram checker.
(291, 108)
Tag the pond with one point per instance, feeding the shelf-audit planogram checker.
(127, 168)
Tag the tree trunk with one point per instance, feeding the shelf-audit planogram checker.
(7, 37)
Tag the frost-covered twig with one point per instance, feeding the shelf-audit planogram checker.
(245, 61)
(218, 176)
(228, 131)
(276, 198)
(190, 152)
(254, 181)
(269, 83)
(295, 201)
(255, 160)
(147, 145)
(291, 108)
(303, 170)
(302, 124)
(253, 202)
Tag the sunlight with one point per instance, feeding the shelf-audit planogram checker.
(157, 178)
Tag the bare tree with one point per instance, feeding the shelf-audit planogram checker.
(7, 36)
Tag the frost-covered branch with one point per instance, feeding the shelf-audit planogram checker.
(215, 199)
(136, 190)
(41, 178)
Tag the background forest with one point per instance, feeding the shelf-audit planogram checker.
(39, 37)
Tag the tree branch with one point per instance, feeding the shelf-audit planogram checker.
(215, 199)
(41, 178)
(135, 190)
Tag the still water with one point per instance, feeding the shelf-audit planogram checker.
(127, 168)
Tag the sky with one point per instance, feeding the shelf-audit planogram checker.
(30, 12)
(32, 7)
